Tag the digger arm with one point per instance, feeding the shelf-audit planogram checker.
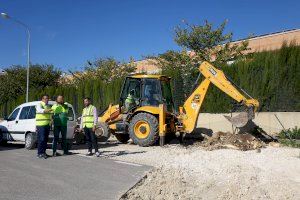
(191, 108)
(218, 78)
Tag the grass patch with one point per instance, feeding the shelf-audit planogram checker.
(290, 137)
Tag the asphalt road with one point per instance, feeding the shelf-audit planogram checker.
(23, 176)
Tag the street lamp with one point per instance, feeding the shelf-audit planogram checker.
(6, 16)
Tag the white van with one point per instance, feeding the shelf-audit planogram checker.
(20, 125)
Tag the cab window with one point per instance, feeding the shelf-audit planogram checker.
(151, 92)
(14, 114)
(131, 85)
(167, 95)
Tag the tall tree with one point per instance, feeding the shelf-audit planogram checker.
(13, 82)
(209, 43)
(199, 43)
(109, 69)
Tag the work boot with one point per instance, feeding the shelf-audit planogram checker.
(55, 154)
(45, 156)
(89, 154)
(97, 153)
(39, 156)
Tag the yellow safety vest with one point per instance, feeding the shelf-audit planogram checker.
(88, 116)
(43, 119)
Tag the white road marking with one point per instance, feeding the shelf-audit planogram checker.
(117, 161)
(128, 163)
(82, 155)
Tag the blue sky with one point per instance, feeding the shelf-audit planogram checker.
(67, 33)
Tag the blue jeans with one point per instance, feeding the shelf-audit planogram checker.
(42, 136)
(91, 139)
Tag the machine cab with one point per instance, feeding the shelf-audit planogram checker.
(146, 90)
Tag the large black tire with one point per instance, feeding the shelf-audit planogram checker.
(123, 138)
(30, 141)
(2, 141)
(151, 136)
(69, 144)
(102, 132)
(79, 138)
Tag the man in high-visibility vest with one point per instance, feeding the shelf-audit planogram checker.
(43, 120)
(60, 120)
(89, 120)
(130, 101)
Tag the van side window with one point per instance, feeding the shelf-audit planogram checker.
(31, 113)
(27, 112)
(14, 114)
(24, 112)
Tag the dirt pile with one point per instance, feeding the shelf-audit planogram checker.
(162, 184)
(229, 140)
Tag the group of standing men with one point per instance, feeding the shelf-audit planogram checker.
(58, 115)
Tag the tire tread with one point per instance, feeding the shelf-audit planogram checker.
(153, 136)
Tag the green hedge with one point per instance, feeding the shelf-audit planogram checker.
(272, 77)
(94, 89)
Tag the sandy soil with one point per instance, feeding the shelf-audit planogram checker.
(194, 173)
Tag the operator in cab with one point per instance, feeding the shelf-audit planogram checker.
(43, 120)
(60, 119)
(130, 101)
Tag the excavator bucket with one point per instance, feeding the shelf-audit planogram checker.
(241, 119)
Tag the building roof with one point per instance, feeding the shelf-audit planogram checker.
(149, 76)
(265, 42)
(269, 35)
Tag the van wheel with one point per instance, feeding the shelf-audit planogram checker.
(30, 141)
(2, 141)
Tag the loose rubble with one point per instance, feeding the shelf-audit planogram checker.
(229, 140)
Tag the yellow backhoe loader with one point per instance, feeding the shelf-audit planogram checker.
(146, 109)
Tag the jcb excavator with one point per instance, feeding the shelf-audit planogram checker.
(146, 109)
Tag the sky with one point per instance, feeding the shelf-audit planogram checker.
(67, 33)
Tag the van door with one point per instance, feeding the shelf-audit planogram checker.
(26, 122)
(12, 121)
(71, 123)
